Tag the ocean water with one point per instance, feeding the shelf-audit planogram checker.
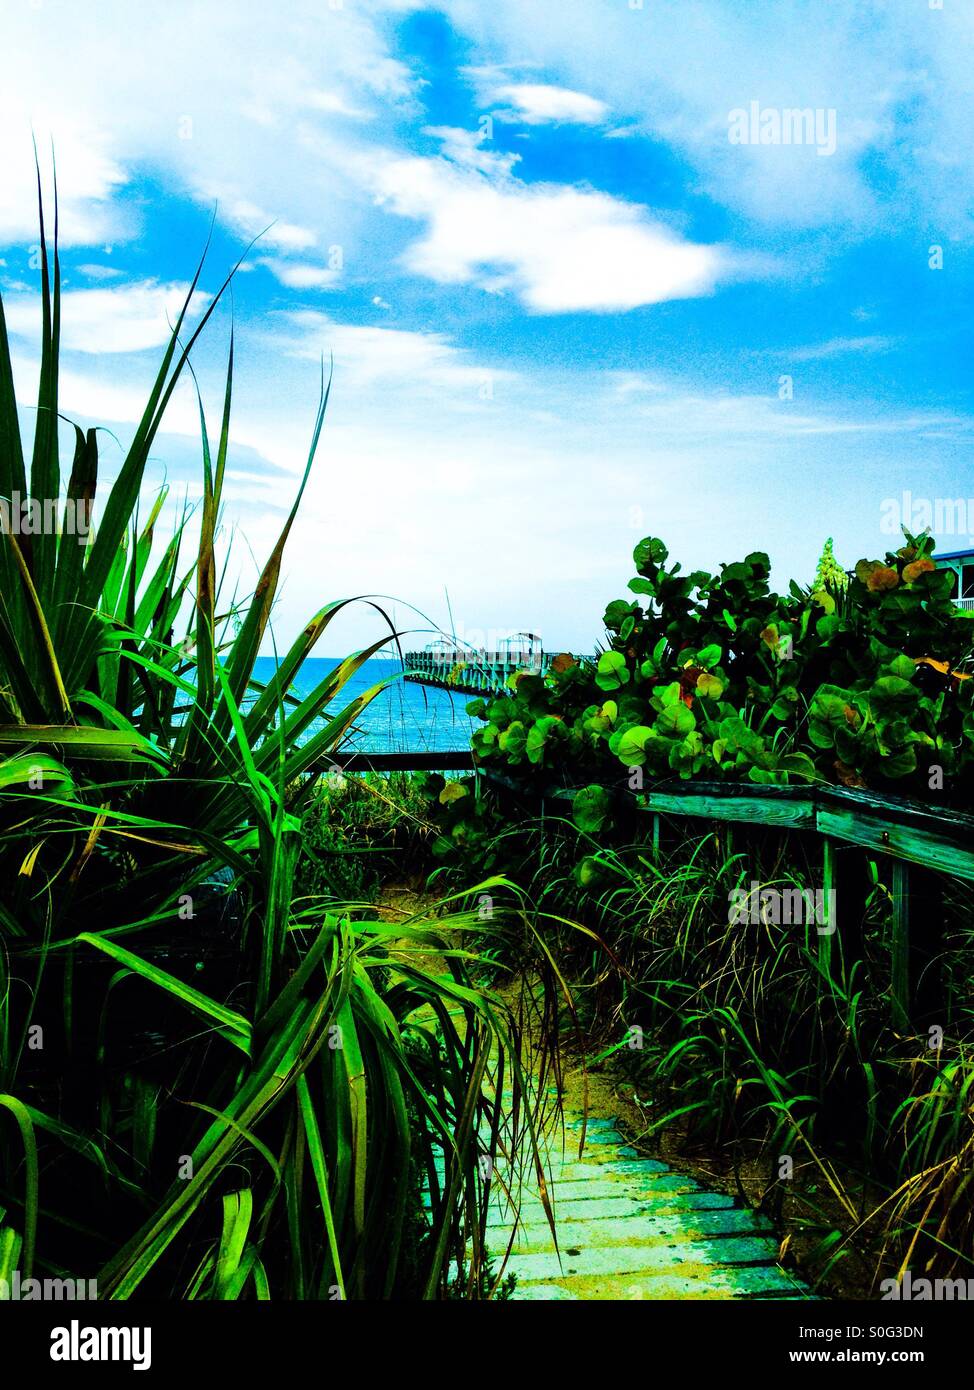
(403, 718)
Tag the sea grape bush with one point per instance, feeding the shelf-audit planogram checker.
(716, 676)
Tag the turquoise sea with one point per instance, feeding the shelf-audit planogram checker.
(404, 718)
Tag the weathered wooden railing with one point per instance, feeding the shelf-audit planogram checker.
(906, 830)
(924, 843)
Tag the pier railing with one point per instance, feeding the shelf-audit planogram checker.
(473, 671)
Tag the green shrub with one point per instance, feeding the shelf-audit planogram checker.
(716, 676)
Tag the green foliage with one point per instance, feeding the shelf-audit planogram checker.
(590, 808)
(361, 831)
(750, 1044)
(235, 1095)
(718, 676)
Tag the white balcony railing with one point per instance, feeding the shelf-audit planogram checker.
(964, 602)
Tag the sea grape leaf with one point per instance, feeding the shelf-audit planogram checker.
(676, 721)
(453, 791)
(650, 551)
(629, 746)
(590, 808)
(611, 672)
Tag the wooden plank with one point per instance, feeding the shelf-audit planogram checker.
(937, 849)
(732, 791)
(457, 687)
(922, 815)
(939, 838)
(796, 810)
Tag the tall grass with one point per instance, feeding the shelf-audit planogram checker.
(741, 1043)
(208, 1090)
(363, 832)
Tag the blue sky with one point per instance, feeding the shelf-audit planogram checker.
(561, 299)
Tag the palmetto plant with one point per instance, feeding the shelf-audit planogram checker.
(205, 1092)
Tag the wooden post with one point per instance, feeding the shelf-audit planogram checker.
(917, 939)
(844, 886)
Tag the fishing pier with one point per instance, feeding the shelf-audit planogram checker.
(447, 664)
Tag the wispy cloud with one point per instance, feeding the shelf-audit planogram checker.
(231, 130)
(839, 347)
(301, 275)
(675, 412)
(365, 355)
(93, 271)
(896, 75)
(121, 319)
(558, 248)
(537, 103)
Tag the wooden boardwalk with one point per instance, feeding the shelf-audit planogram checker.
(631, 1228)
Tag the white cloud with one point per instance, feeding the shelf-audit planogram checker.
(217, 100)
(558, 248)
(532, 102)
(88, 173)
(366, 355)
(100, 272)
(337, 105)
(466, 149)
(301, 275)
(124, 318)
(636, 384)
(98, 393)
(100, 397)
(675, 412)
(254, 221)
(538, 103)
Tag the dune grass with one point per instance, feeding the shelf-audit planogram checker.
(208, 1089)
